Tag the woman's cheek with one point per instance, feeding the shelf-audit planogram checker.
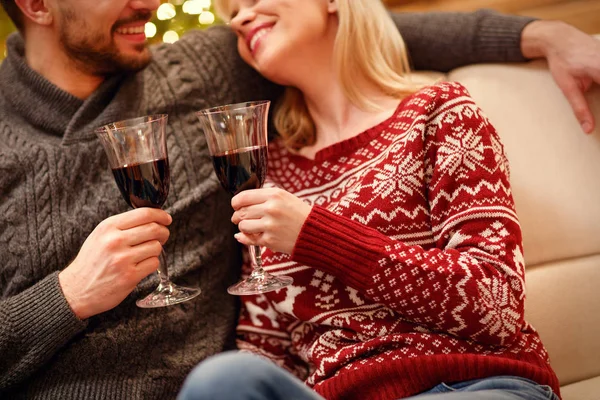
(245, 52)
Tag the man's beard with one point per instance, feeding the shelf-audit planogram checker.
(97, 54)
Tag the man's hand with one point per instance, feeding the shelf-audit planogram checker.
(115, 257)
(269, 217)
(573, 58)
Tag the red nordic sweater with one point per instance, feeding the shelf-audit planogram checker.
(409, 270)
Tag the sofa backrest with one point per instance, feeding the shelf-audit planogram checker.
(555, 177)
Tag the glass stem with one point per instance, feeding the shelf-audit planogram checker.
(257, 266)
(163, 271)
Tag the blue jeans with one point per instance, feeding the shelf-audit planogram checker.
(241, 376)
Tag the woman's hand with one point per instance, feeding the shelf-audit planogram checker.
(271, 218)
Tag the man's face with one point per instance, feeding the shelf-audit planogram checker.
(104, 36)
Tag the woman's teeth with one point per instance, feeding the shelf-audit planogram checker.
(257, 36)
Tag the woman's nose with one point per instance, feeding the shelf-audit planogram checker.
(244, 17)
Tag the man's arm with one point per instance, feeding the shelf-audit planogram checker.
(38, 322)
(443, 41)
(34, 325)
(573, 59)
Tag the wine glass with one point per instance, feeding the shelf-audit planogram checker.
(137, 154)
(237, 140)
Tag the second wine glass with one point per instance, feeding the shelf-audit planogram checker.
(237, 140)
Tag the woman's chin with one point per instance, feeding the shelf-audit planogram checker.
(275, 73)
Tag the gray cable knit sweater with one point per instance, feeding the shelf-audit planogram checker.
(55, 187)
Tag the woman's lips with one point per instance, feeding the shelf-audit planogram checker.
(256, 35)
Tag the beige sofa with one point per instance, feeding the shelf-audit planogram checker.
(555, 177)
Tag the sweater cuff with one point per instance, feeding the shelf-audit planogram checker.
(41, 317)
(499, 37)
(337, 245)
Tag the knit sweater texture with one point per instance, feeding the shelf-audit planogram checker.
(409, 270)
(55, 187)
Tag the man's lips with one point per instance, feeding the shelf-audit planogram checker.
(254, 37)
(134, 26)
(134, 33)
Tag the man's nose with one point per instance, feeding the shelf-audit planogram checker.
(151, 5)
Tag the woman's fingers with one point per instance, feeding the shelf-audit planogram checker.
(252, 197)
(252, 226)
(249, 240)
(250, 212)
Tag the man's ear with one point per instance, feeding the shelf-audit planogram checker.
(332, 6)
(36, 11)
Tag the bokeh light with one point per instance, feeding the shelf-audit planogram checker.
(150, 30)
(193, 7)
(166, 11)
(206, 18)
(170, 37)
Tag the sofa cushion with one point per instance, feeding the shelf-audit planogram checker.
(585, 390)
(562, 304)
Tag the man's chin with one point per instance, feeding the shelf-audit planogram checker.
(112, 58)
(141, 61)
(119, 66)
(132, 62)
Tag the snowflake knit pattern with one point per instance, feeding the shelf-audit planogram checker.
(409, 270)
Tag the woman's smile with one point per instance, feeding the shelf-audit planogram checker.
(256, 36)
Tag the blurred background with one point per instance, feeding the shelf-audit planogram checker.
(174, 17)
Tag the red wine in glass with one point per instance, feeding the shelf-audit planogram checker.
(241, 169)
(144, 184)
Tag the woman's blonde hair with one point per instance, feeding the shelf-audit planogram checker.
(368, 48)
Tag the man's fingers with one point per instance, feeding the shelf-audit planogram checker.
(147, 267)
(141, 216)
(589, 125)
(576, 97)
(146, 233)
(145, 250)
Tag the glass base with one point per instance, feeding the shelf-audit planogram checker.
(259, 284)
(167, 295)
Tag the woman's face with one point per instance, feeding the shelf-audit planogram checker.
(278, 37)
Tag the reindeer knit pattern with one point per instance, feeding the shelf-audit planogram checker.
(409, 270)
